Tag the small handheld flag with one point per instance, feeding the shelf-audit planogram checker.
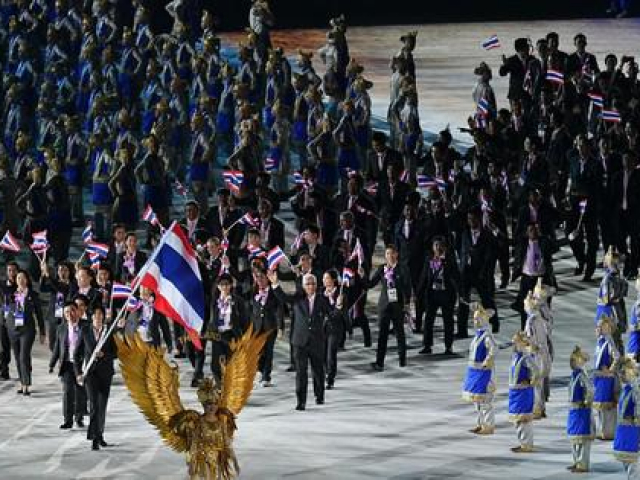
(274, 257)
(596, 99)
(611, 116)
(100, 249)
(87, 233)
(120, 291)
(150, 216)
(181, 189)
(484, 107)
(271, 165)
(94, 260)
(9, 242)
(554, 76)
(133, 304)
(298, 179)
(492, 42)
(255, 252)
(347, 275)
(425, 181)
(583, 205)
(234, 179)
(40, 242)
(249, 220)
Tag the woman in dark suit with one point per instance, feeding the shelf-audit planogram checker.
(23, 320)
(439, 284)
(335, 328)
(226, 322)
(152, 326)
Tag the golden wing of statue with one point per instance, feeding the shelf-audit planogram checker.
(153, 385)
(238, 374)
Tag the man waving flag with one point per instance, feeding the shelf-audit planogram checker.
(172, 273)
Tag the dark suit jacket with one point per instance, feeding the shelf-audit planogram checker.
(60, 352)
(402, 282)
(268, 317)
(391, 207)
(545, 218)
(307, 328)
(238, 316)
(139, 261)
(546, 249)
(633, 191)
(450, 276)
(102, 367)
(33, 319)
(412, 250)
(200, 233)
(516, 69)
(213, 223)
(477, 262)
(158, 328)
(389, 157)
(275, 234)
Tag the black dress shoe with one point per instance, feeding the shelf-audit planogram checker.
(329, 385)
(319, 401)
(80, 423)
(377, 367)
(5, 376)
(462, 336)
(300, 407)
(195, 382)
(66, 426)
(425, 351)
(449, 352)
(103, 443)
(95, 445)
(578, 270)
(291, 368)
(587, 278)
(19, 391)
(27, 393)
(403, 363)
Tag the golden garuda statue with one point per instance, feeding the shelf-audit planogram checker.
(206, 439)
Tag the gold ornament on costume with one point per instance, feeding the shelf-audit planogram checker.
(606, 321)
(627, 368)
(611, 258)
(521, 339)
(578, 357)
(530, 303)
(480, 314)
(206, 439)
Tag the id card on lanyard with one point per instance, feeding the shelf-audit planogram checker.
(392, 295)
(19, 311)
(59, 311)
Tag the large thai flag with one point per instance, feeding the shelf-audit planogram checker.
(172, 273)
(492, 42)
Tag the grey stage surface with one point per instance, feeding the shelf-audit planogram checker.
(403, 423)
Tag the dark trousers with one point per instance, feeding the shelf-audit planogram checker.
(393, 314)
(629, 229)
(266, 359)
(486, 293)
(503, 263)
(304, 356)
(74, 396)
(60, 242)
(527, 284)
(5, 351)
(179, 337)
(21, 344)
(588, 230)
(219, 354)
(331, 355)
(446, 302)
(98, 388)
(52, 327)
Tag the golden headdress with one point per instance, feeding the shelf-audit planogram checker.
(520, 338)
(606, 320)
(578, 357)
(208, 391)
(530, 303)
(627, 367)
(479, 312)
(612, 257)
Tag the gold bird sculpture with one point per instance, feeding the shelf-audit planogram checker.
(205, 438)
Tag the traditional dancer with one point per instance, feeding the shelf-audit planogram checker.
(626, 443)
(580, 423)
(479, 382)
(523, 376)
(538, 334)
(604, 381)
(633, 343)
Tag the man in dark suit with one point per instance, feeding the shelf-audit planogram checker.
(380, 158)
(611, 164)
(533, 260)
(194, 226)
(392, 196)
(392, 303)
(131, 260)
(477, 257)
(99, 375)
(68, 338)
(311, 312)
(116, 246)
(221, 217)
(516, 67)
(271, 229)
(538, 211)
(362, 206)
(626, 183)
(585, 184)
(266, 316)
(439, 285)
(410, 239)
(581, 60)
(320, 254)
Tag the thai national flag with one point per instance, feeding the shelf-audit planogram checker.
(358, 252)
(425, 181)
(484, 107)
(94, 260)
(347, 275)
(87, 233)
(297, 243)
(40, 242)
(441, 183)
(485, 205)
(492, 42)
(224, 244)
(120, 291)
(99, 249)
(583, 205)
(133, 304)
(372, 189)
(612, 116)
(274, 257)
(181, 189)
(298, 179)
(150, 216)
(9, 242)
(255, 252)
(248, 219)
(234, 179)
(173, 274)
(555, 76)
(271, 165)
(596, 99)
(404, 176)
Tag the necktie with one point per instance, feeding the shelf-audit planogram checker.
(406, 229)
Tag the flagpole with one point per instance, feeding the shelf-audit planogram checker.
(134, 289)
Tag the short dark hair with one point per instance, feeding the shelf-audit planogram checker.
(379, 137)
